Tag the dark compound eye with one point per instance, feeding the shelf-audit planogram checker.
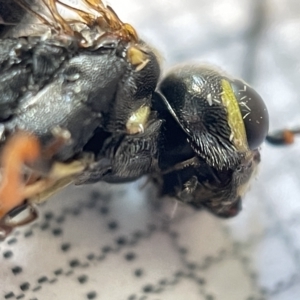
(254, 113)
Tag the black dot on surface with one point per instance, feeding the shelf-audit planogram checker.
(12, 241)
(91, 295)
(148, 288)
(106, 249)
(48, 215)
(138, 272)
(36, 288)
(76, 211)
(163, 282)
(42, 279)
(95, 195)
(28, 233)
(58, 272)
(90, 256)
(121, 240)
(44, 226)
(16, 270)
(9, 295)
(209, 297)
(192, 266)
(113, 225)
(132, 297)
(24, 286)
(179, 274)
(74, 263)
(208, 259)
(60, 219)
(7, 254)
(104, 210)
(82, 279)
(138, 234)
(65, 247)
(57, 231)
(183, 251)
(174, 234)
(130, 256)
(20, 296)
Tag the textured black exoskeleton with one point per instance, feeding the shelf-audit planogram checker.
(196, 133)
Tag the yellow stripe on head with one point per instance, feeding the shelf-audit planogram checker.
(235, 120)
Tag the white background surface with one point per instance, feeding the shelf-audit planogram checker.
(119, 243)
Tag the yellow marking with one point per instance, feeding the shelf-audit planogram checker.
(235, 119)
(138, 120)
(137, 58)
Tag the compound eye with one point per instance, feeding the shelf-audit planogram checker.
(254, 113)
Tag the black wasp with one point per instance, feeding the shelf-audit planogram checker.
(82, 101)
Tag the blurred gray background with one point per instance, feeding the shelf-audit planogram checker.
(118, 242)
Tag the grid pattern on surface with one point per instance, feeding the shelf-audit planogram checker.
(120, 242)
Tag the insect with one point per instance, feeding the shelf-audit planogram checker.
(83, 102)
